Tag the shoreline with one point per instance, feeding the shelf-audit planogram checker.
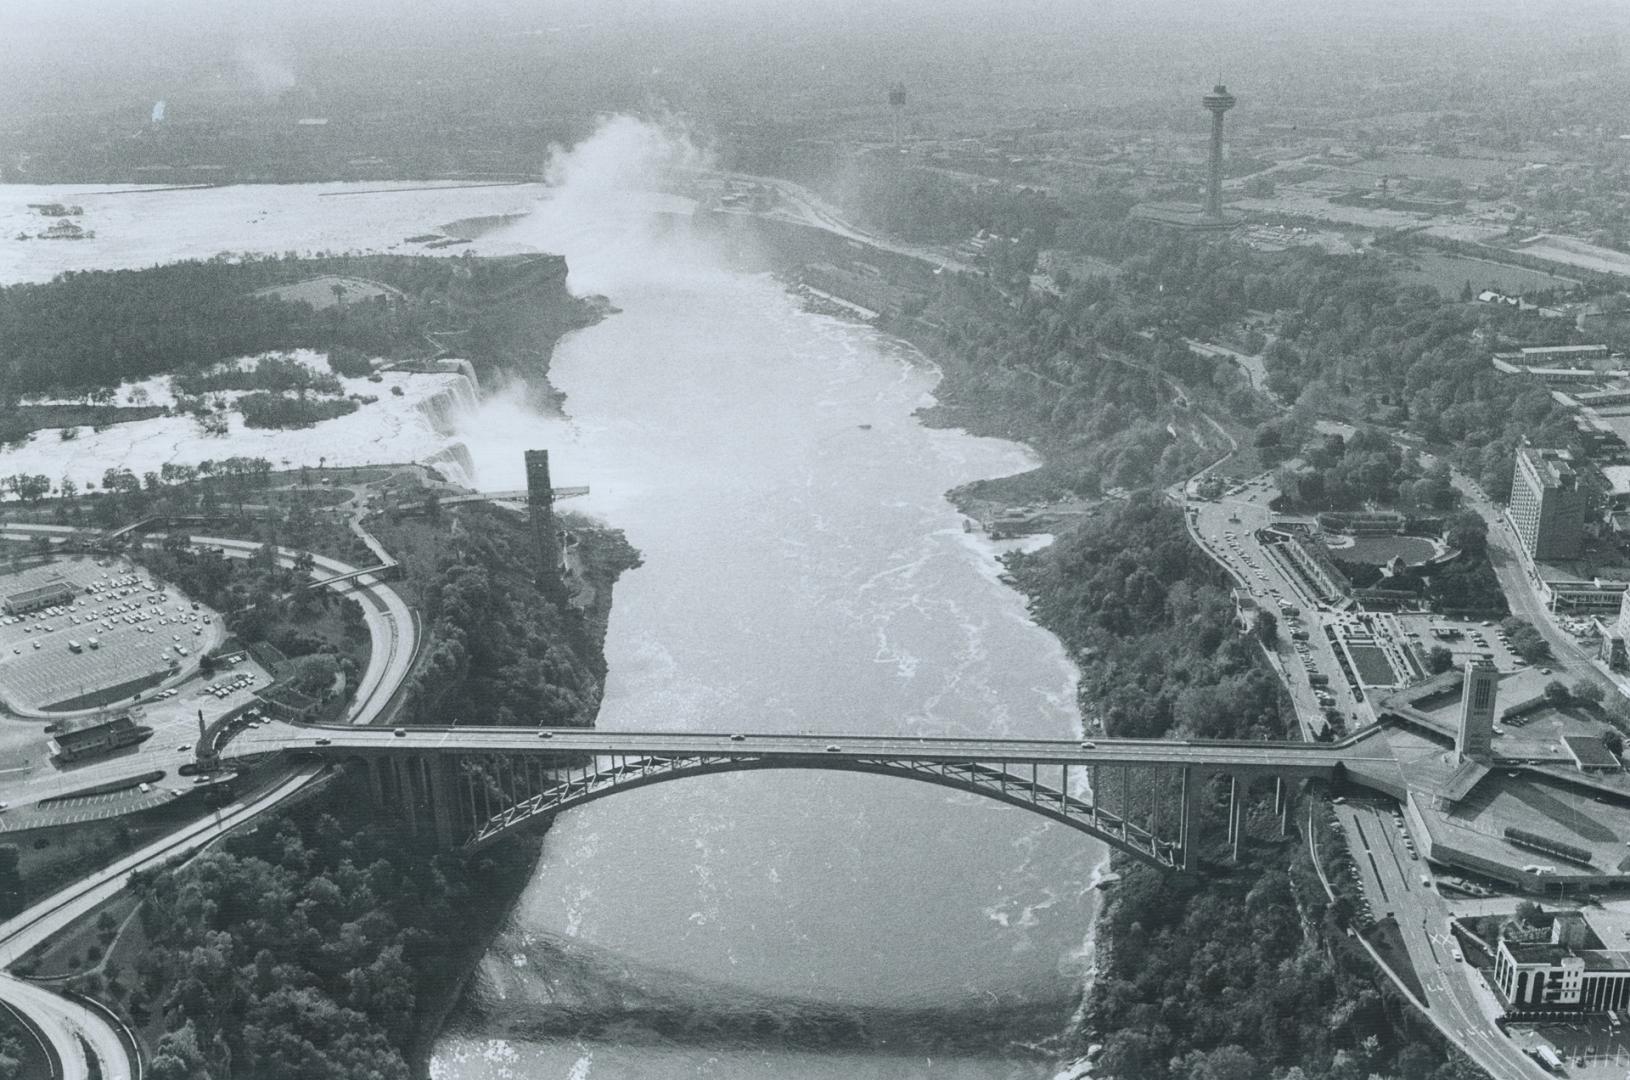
(1078, 955)
(446, 995)
(937, 415)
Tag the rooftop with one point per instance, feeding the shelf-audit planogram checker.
(1554, 467)
(90, 733)
(1590, 753)
(37, 592)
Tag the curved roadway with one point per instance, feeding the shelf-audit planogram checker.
(72, 1027)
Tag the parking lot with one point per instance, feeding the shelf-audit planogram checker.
(1227, 529)
(30, 774)
(1467, 639)
(119, 627)
(1589, 1048)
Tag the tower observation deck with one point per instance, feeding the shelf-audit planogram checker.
(1216, 103)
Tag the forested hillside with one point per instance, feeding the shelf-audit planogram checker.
(1237, 972)
(501, 647)
(91, 329)
(303, 949)
(1085, 370)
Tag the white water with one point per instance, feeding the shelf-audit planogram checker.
(801, 574)
(415, 425)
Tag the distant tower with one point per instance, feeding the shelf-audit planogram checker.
(1474, 741)
(897, 104)
(1217, 102)
(540, 503)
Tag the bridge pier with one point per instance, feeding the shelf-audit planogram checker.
(405, 799)
(1236, 815)
(1183, 819)
(444, 779)
(1281, 805)
(376, 785)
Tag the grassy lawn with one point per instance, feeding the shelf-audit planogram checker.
(1389, 943)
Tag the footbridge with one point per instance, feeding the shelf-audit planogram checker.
(514, 495)
(472, 786)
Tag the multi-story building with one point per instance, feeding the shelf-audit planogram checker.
(1480, 687)
(1548, 504)
(1570, 969)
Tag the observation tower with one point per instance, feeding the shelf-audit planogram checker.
(1216, 103)
(897, 105)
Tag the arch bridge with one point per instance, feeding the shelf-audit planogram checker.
(473, 786)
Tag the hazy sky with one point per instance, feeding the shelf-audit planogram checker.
(115, 53)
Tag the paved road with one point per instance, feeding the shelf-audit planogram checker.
(1457, 1001)
(1255, 373)
(390, 622)
(806, 207)
(1525, 602)
(392, 631)
(1282, 757)
(62, 1019)
(1233, 544)
(1392, 882)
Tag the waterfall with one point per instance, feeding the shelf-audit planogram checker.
(453, 461)
(460, 392)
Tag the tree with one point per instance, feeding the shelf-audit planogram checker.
(1614, 742)
(1223, 1063)
(350, 362)
(11, 882)
(315, 674)
(30, 487)
(1469, 533)
(1588, 690)
(1556, 694)
(1526, 641)
(179, 1057)
(1439, 659)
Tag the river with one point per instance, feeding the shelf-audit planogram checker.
(803, 572)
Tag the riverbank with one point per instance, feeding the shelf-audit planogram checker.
(603, 555)
(1148, 618)
(484, 917)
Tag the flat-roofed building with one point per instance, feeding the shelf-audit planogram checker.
(1547, 504)
(1590, 754)
(41, 596)
(1569, 969)
(98, 738)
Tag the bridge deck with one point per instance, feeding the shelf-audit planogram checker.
(1266, 757)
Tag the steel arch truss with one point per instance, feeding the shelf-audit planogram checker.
(1142, 810)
